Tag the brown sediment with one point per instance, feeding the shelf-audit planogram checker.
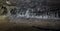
(27, 25)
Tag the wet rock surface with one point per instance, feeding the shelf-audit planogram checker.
(39, 8)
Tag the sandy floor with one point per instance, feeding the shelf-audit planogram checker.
(28, 25)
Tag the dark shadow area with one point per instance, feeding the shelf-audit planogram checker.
(46, 29)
